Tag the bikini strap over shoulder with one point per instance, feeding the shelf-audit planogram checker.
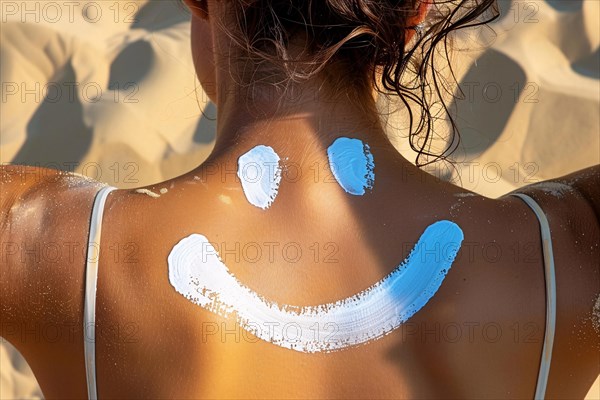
(91, 279)
(550, 279)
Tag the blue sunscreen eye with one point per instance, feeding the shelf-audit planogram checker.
(352, 165)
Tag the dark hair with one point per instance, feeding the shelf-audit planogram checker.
(367, 35)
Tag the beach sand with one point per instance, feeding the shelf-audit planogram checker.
(115, 98)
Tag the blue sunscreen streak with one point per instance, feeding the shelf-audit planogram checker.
(197, 272)
(352, 165)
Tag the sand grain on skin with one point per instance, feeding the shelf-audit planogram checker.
(595, 317)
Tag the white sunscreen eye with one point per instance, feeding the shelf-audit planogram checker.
(352, 165)
(260, 174)
(197, 272)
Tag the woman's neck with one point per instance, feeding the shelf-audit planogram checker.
(299, 124)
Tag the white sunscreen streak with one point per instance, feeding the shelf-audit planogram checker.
(352, 165)
(197, 272)
(260, 174)
(556, 189)
(148, 192)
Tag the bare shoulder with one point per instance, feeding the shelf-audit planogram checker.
(36, 202)
(20, 183)
(572, 206)
(44, 221)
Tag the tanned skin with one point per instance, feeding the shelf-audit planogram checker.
(480, 336)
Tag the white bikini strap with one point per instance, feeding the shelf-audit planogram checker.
(91, 278)
(542, 382)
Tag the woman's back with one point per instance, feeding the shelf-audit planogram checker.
(188, 268)
(480, 335)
